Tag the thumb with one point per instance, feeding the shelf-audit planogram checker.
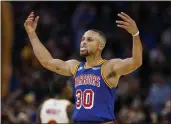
(36, 19)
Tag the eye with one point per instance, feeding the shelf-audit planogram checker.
(89, 39)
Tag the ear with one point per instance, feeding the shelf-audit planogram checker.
(101, 47)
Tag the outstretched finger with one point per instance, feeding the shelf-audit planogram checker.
(122, 22)
(31, 14)
(125, 15)
(31, 18)
(36, 19)
(122, 26)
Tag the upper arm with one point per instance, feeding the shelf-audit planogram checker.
(66, 68)
(124, 66)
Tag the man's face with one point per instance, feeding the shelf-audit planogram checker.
(89, 43)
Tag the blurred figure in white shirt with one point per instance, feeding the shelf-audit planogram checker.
(57, 109)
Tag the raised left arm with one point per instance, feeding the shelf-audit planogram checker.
(126, 66)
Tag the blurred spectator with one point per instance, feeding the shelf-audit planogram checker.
(133, 114)
(159, 93)
(166, 112)
(83, 15)
(62, 106)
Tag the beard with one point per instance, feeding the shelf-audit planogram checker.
(84, 53)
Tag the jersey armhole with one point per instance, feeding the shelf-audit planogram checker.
(75, 68)
(106, 82)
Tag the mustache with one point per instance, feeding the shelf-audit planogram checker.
(81, 46)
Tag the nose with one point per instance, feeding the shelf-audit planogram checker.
(83, 42)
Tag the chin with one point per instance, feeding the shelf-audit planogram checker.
(84, 54)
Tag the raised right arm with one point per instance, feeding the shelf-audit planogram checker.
(66, 68)
(47, 61)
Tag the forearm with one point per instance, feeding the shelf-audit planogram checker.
(47, 61)
(39, 50)
(137, 50)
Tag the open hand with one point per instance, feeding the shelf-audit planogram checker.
(31, 23)
(128, 23)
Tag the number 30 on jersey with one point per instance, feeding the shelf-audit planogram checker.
(85, 98)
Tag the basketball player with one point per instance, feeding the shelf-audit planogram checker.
(96, 79)
(56, 109)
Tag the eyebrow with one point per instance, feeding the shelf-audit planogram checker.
(86, 37)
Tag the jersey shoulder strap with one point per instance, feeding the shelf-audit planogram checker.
(78, 67)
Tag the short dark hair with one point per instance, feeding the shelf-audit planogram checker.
(100, 33)
(56, 86)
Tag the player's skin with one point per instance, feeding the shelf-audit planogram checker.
(91, 47)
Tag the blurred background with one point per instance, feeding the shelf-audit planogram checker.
(143, 97)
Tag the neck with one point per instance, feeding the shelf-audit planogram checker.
(93, 60)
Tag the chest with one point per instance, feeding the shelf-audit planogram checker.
(110, 76)
(89, 78)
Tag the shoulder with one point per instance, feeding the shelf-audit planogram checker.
(115, 60)
(111, 62)
(73, 65)
(110, 65)
(72, 62)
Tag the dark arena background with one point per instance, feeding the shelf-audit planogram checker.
(143, 97)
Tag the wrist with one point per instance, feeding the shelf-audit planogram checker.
(136, 34)
(31, 32)
(32, 35)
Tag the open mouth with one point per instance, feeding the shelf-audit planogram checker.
(83, 48)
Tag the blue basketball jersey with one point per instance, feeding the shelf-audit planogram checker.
(94, 97)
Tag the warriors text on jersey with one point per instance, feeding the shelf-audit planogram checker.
(94, 97)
